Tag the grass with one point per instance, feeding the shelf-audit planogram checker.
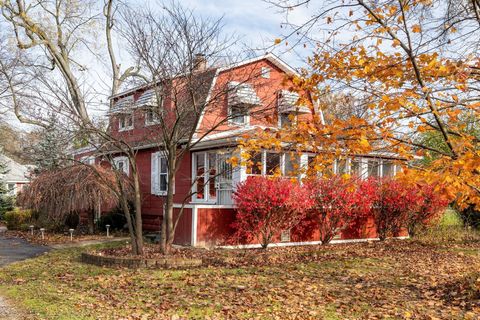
(392, 280)
(449, 229)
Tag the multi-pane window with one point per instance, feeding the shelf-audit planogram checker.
(272, 163)
(224, 179)
(388, 169)
(239, 114)
(256, 167)
(151, 117)
(356, 167)
(163, 173)
(342, 166)
(212, 174)
(11, 188)
(159, 173)
(291, 164)
(213, 177)
(373, 168)
(285, 120)
(200, 175)
(125, 122)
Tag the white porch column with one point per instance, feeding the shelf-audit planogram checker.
(194, 225)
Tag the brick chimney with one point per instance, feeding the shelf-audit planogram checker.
(199, 62)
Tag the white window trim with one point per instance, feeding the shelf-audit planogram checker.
(282, 163)
(90, 160)
(288, 114)
(120, 129)
(126, 168)
(148, 122)
(13, 191)
(233, 123)
(206, 176)
(155, 174)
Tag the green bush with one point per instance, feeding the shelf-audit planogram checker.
(18, 219)
(7, 203)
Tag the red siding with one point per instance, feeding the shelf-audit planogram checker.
(153, 204)
(214, 226)
(183, 233)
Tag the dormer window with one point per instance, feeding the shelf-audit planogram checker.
(151, 101)
(238, 115)
(286, 120)
(241, 97)
(125, 122)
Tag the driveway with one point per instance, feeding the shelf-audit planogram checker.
(12, 250)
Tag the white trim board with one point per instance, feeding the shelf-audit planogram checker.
(204, 206)
(305, 243)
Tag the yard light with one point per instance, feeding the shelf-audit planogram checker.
(31, 230)
(108, 230)
(42, 231)
(71, 234)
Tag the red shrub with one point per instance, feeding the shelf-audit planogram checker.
(365, 195)
(338, 203)
(266, 207)
(393, 205)
(431, 206)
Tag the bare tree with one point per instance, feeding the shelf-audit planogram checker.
(48, 74)
(173, 47)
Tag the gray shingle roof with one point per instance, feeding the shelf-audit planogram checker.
(16, 172)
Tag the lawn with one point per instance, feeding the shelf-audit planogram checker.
(393, 280)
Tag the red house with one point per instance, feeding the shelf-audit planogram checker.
(206, 180)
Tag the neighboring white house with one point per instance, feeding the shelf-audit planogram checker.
(16, 177)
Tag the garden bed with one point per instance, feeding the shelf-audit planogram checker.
(234, 258)
(139, 262)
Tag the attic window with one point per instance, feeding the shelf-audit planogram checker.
(238, 115)
(266, 72)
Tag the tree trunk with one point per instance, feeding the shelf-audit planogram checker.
(168, 229)
(138, 212)
(91, 224)
(131, 228)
